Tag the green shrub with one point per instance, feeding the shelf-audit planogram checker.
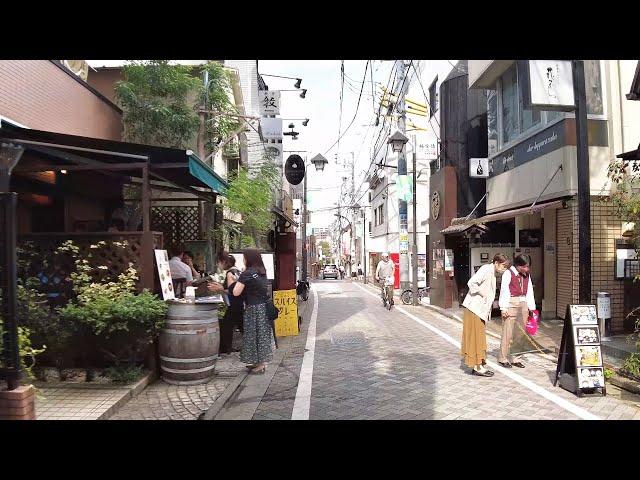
(124, 375)
(608, 373)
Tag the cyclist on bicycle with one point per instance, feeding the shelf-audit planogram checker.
(385, 269)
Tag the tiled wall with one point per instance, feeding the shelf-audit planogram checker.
(605, 229)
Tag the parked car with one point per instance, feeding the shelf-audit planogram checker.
(330, 271)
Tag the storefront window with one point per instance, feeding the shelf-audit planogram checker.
(510, 121)
(492, 121)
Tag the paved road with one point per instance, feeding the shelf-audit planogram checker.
(369, 363)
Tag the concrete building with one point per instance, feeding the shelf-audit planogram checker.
(528, 149)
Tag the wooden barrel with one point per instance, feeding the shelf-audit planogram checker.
(189, 343)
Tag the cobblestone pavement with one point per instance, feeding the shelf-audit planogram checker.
(374, 364)
(161, 401)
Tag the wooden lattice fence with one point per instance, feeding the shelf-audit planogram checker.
(178, 224)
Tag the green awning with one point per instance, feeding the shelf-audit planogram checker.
(206, 175)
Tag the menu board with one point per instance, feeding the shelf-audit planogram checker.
(164, 273)
(580, 351)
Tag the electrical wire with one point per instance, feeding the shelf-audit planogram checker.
(354, 116)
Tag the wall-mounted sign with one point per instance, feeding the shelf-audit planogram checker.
(624, 251)
(269, 102)
(404, 242)
(550, 84)
(550, 248)
(294, 169)
(427, 149)
(448, 260)
(271, 128)
(479, 167)
(435, 205)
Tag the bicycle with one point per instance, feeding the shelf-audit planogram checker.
(387, 301)
(302, 289)
(407, 295)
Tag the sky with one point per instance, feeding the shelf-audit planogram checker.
(321, 106)
(321, 78)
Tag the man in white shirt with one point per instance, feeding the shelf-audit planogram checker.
(384, 269)
(516, 302)
(179, 269)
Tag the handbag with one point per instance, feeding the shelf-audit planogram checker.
(272, 314)
(532, 322)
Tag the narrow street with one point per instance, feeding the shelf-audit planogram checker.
(369, 363)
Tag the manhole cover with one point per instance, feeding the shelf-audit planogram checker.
(350, 338)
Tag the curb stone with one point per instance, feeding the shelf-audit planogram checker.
(131, 393)
(224, 397)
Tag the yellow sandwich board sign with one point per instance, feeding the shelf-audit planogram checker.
(286, 302)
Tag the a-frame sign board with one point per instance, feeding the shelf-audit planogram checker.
(580, 368)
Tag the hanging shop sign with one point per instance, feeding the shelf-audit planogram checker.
(294, 169)
(164, 273)
(273, 152)
(271, 128)
(580, 368)
(479, 167)
(404, 242)
(269, 102)
(549, 85)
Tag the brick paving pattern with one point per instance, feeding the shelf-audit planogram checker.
(375, 364)
(161, 401)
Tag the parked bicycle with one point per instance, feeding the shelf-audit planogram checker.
(407, 295)
(302, 289)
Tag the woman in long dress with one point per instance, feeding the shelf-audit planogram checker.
(257, 342)
(477, 311)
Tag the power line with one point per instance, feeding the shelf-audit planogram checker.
(355, 115)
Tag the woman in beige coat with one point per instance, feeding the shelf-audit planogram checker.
(477, 310)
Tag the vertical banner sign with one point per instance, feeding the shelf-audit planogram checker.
(404, 242)
(271, 128)
(286, 302)
(164, 273)
(269, 102)
(550, 84)
(580, 368)
(395, 258)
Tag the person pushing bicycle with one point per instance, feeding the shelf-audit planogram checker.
(385, 269)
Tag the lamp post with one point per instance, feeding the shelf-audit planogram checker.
(319, 162)
(9, 156)
(398, 141)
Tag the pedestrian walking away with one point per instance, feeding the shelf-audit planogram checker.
(477, 312)
(341, 269)
(360, 271)
(384, 269)
(516, 303)
(235, 305)
(258, 339)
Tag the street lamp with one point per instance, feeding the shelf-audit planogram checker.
(296, 85)
(397, 141)
(319, 163)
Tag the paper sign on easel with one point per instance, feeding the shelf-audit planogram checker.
(164, 273)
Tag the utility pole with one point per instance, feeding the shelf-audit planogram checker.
(304, 226)
(584, 188)
(365, 233)
(414, 245)
(402, 170)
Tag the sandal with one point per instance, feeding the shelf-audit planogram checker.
(258, 371)
(486, 373)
